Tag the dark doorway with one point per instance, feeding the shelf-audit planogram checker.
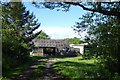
(49, 51)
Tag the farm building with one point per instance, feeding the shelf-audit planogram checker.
(80, 47)
(53, 47)
(49, 47)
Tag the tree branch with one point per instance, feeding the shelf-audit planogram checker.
(105, 12)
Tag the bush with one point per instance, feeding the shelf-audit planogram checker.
(87, 56)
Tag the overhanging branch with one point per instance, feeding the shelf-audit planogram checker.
(105, 12)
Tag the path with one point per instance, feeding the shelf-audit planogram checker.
(48, 72)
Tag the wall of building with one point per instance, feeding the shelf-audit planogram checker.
(38, 52)
(81, 48)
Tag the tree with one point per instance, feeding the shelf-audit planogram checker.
(103, 25)
(17, 32)
(104, 35)
(42, 35)
(106, 8)
(23, 22)
(74, 40)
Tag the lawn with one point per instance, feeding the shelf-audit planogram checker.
(76, 68)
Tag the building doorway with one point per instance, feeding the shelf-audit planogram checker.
(49, 51)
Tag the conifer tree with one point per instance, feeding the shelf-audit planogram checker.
(16, 16)
(17, 32)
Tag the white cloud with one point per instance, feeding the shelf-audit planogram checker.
(59, 32)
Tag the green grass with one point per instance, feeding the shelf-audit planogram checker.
(14, 72)
(40, 68)
(76, 68)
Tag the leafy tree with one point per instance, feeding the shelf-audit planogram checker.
(104, 35)
(42, 35)
(74, 40)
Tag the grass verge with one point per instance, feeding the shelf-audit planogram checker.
(14, 72)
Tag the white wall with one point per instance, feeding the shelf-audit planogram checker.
(80, 47)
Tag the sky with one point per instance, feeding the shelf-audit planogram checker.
(57, 24)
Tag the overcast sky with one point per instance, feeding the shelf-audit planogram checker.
(57, 24)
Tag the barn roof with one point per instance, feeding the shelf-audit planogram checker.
(50, 43)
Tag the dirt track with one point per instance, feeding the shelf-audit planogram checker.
(48, 72)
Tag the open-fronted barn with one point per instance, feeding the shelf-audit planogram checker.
(49, 47)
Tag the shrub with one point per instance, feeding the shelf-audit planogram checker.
(87, 56)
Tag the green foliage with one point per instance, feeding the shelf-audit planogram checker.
(15, 15)
(11, 73)
(78, 69)
(104, 36)
(87, 56)
(42, 35)
(103, 28)
(40, 68)
(17, 31)
(13, 50)
(17, 71)
(106, 8)
(74, 40)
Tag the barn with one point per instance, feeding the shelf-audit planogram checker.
(49, 47)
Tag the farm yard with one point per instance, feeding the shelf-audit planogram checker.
(61, 68)
(60, 40)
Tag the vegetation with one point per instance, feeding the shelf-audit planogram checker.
(13, 73)
(43, 35)
(75, 68)
(104, 36)
(103, 26)
(105, 8)
(17, 32)
(74, 40)
(40, 66)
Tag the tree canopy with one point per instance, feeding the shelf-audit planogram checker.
(104, 35)
(23, 21)
(43, 35)
(74, 40)
(17, 32)
(106, 8)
